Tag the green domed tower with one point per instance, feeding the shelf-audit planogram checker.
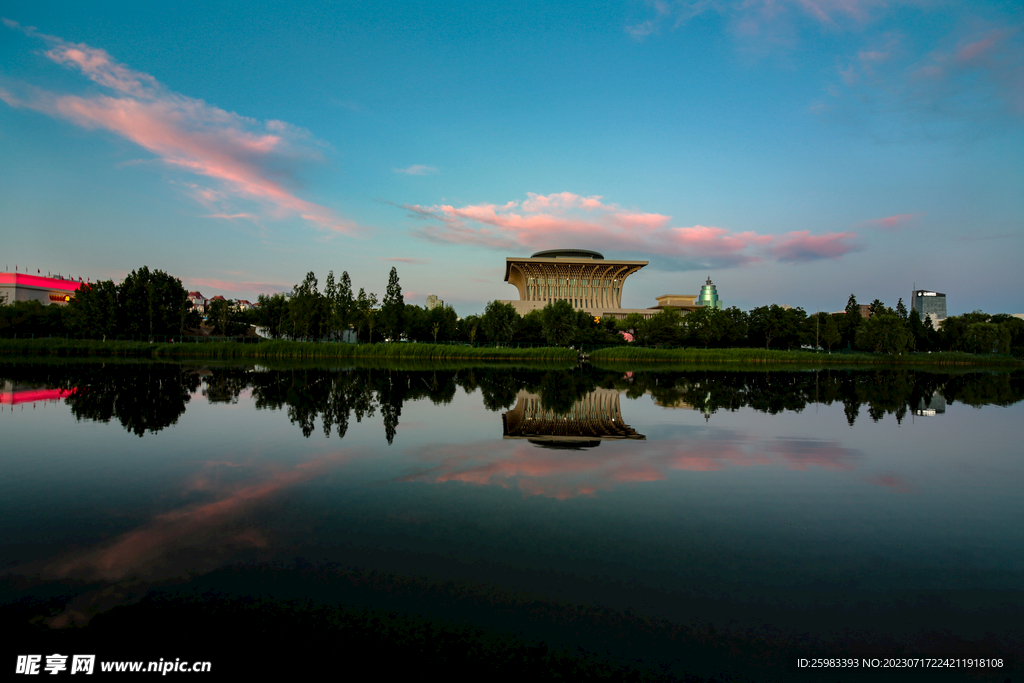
(709, 296)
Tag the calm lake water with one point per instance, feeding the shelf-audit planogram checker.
(712, 523)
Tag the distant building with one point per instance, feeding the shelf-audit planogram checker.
(687, 303)
(198, 301)
(434, 302)
(929, 304)
(684, 303)
(244, 305)
(709, 296)
(46, 290)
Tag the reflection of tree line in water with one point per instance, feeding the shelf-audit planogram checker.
(150, 397)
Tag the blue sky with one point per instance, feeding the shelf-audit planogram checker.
(794, 151)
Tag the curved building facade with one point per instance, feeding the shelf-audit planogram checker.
(586, 279)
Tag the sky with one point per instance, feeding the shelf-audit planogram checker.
(794, 151)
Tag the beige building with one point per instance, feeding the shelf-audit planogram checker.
(584, 278)
(592, 418)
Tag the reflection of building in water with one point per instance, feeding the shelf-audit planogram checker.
(13, 394)
(936, 406)
(592, 418)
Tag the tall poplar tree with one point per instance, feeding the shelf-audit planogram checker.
(392, 309)
(345, 303)
(330, 310)
(851, 321)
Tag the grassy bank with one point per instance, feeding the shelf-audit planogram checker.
(632, 354)
(433, 353)
(268, 350)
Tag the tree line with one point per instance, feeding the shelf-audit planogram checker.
(146, 398)
(154, 304)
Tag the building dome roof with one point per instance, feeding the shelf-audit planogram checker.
(568, 253)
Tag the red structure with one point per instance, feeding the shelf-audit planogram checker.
(45, 290)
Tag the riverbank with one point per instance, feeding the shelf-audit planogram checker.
(429, 353)
(631, 354)
(279, 350)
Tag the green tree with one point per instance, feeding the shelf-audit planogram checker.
(736, 326)
(706, 324)
(417, 323)
(558, 319)
(392, 310)
(633, 322)
(875, 308)
(1015, 329)
(221, 314)
(901, 310)
(365, 315)
(984, 338)
(344, 303)
(663, 329)
(149, 304)
(468, 328)
(776, 324)
(272, 314)
(92, 311)
(851, 322)
(830, 335)
(499, 321)
(330, 306)
(443, 323)
(530, 328)
(884, 332)
(305, 309)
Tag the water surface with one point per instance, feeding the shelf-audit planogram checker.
(876, 509)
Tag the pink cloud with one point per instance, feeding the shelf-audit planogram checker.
(803, 246)
(416, 169)
(232, 216)
(894, 483)
(182, 132)
(892, 223)
(801, 454)
(978, 48)
(775, 20)
(975, 72)
(567, 218)
(567, 474)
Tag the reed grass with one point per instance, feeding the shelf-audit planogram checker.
(282, 350)
(762, 357)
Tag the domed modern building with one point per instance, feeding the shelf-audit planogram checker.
(591, 283)
(586, 279)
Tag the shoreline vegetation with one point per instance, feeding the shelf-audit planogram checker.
(326, 351)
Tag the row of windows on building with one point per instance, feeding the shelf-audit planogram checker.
(567, 287)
